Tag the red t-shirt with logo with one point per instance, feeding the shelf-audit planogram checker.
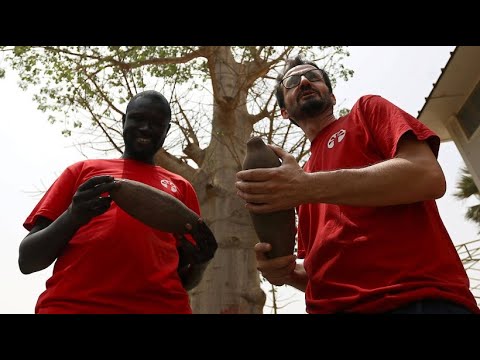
(114, 263)
(374, 259)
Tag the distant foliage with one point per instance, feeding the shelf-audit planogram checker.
(467, 188)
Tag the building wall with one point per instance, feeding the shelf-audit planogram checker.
(468, 148)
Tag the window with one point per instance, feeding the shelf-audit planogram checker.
(469, 115)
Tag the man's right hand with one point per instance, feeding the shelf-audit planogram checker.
(88, 201)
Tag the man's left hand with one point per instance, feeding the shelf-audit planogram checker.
(203, 251)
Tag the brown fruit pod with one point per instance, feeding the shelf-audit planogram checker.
(153, 207)
(276, 228)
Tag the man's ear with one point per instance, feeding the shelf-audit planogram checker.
(286, 115)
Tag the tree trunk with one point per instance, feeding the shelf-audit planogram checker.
(231, 284)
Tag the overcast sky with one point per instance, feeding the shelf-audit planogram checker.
(35, 153)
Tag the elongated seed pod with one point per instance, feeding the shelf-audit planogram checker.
(153, 207)
(277, 228)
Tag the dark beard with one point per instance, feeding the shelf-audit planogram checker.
(310, 108)
(313, 107)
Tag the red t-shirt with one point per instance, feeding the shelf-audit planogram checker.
(114, 263)
(373, 259)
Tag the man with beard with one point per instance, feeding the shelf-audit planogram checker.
(369, 230)
(107, 261)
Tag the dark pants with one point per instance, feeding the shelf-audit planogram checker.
(431, 306)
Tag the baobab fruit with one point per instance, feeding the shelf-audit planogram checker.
(153, 207)
(276, 228)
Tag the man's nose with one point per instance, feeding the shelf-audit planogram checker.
(304, 82)
(304, 79)
(145, 125)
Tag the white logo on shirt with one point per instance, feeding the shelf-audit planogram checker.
(167, 184)
(338, 135)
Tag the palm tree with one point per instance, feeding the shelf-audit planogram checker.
(465, 188)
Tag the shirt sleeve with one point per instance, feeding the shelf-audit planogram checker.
(388, 123)
(55, 201)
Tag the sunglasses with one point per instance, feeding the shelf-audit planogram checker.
(292, 81)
